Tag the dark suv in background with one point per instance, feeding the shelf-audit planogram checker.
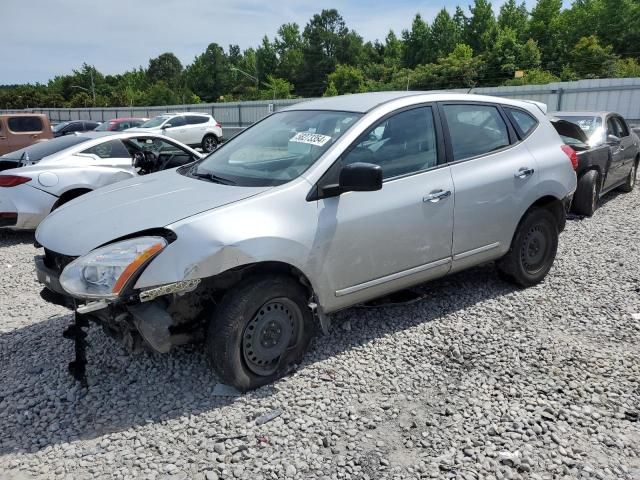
(67, 128)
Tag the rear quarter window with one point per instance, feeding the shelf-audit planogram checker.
(25, 124)
(196, 119)
(522, 121)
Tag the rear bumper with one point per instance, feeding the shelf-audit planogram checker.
(30, 204)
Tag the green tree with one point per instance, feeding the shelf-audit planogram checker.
(266, 59)
(392, 51)
(515, 17)
(480, 28)
(444, 34)
(323, 36)
(589, 59)
(628, 67)
(545, 27)
(276, 88)
(166, 68)
(347, 79)
(208, 75)
(331, 90)
(508, 55)
(161, 94)
(288, 44)
(416, 44)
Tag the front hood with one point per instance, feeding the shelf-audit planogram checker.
(127, 207)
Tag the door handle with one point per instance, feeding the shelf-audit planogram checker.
(524, 173)
(34, 136)
(436, 196)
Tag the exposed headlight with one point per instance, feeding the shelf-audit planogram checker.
(104, 272)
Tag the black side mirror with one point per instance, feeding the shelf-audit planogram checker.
(356, 177)
(360, 177)
(613, 140)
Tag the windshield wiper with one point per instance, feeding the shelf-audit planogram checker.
(213, 178)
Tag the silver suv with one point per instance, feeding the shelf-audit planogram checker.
(316, 208)
(191, 128)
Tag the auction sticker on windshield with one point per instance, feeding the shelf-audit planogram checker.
(311, 138)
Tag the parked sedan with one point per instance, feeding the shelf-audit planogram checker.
(593, 166)
(120, 124)
(74, 126)
(316, 208)
(66, 168)
(609, 128)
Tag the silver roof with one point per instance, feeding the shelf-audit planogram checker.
(357, 102)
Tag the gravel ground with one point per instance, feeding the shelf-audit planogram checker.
(475, 380)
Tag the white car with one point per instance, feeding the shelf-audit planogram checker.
(51, 173)
(191, 128)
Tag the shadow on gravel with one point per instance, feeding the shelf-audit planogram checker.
(41, 405)
(9, 238)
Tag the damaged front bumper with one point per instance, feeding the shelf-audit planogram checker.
(157, 318)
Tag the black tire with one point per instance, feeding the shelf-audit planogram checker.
(242, 324)
(533, 249)
(209, 143)
(585, 200)
(630, 183)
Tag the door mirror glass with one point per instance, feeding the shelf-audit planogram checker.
(360, 177)
(613, 140)
(166, 125)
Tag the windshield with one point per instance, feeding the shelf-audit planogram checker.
(104, 126)
(276, 150)
(156, 121)
(38, 151)
(60, 126)
(590, 125)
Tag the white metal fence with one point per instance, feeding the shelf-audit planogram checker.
(620, 95)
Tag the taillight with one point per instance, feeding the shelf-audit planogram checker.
(573, 156)
(218, 125)
(12, 180)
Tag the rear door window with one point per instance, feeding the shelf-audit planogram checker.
(25, 124)
(475, 129)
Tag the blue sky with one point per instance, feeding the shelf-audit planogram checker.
(44, 38)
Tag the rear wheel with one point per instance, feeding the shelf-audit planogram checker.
(260, 330)
(209, 143)
(631, 179)
(533, 249)
(585, 201)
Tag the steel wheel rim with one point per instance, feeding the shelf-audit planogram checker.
(594, 196)
(533, 253)
(633, 176)
(269, 334)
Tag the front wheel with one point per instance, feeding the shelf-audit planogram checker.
(631, 179)
(209, 143)
(533, 249)
(259, 331)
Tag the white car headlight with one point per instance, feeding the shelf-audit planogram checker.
(104, 272)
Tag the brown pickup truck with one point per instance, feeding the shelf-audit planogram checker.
(19, 130)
